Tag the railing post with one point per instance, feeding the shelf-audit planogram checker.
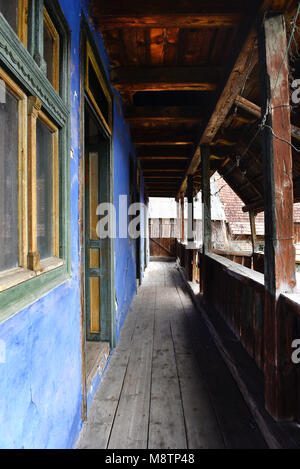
(278, 192)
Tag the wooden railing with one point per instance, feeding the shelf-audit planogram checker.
(242, 258)
(238, 294)
(189, 259)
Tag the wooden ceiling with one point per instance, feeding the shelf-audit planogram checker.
(181, 68)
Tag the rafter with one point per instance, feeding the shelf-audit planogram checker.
(256, 111)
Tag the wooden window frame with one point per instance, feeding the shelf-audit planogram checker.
(14, 90)
(91, 59)
(23, 21)
(48, 23)
(35, 113)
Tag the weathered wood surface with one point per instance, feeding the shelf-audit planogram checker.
(157, 14)
(166, 385)
(278, 183)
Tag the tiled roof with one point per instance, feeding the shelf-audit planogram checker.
(237, 219)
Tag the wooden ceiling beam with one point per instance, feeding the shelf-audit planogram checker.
(248, 106)
(161, 187)
(162, 170)
(134, 79)
(165, 14)
(159, 176)
(221, 20)
(159, 139)
(164, 158)
(163, 151)
(136, 114)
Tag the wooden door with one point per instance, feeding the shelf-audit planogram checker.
(92, 241)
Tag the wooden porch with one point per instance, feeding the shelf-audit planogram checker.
(166, 386)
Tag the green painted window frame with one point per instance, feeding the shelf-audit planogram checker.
(24, 66)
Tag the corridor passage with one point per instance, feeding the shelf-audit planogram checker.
(166, 386)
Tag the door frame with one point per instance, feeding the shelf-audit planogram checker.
(107, 302)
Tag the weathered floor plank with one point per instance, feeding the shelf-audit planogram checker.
(130, 429)
(166, 386)
(166, 426)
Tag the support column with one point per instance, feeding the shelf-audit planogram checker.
(206, 216)
(206, 202)
(190, 197)
(252, 216)
(182, 219)
(278, 193)
(178, 224)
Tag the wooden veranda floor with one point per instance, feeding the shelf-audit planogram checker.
(166, 385)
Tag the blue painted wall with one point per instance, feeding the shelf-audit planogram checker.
(124, 248)
(40, 381)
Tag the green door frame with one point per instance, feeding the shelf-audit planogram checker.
(107, 301)
(106, 246)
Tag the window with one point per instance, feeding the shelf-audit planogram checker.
(13, 104)
(34, 156)
(51, 50)
(15, 12)
(43, 175)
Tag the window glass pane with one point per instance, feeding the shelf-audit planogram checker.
(9, 9)
(48, 52)
(44, 158)
(8, 180)
(97, 92)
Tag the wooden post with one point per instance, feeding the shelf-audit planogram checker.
(182, 219)
(178, 224)
(206, 215)
(278, 193)
(190, 197)
(206, 202)
(252, 216)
